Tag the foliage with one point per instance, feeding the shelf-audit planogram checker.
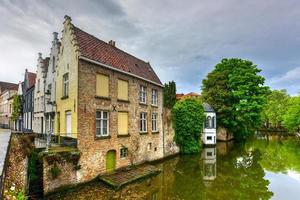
(55, 171)
(237, 92)
(169, 94)
(275, 109)
(32, 170)
(188, 117)
(291, 119)
(17, 107)
(21, 196)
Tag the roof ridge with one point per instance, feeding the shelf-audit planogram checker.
(111, 45)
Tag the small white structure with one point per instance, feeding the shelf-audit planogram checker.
(209, 136)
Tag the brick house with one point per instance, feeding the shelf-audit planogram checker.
(7, 91)
(109, 100)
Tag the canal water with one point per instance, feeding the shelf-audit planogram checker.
(257, 169)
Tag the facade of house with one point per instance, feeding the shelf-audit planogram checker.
(109, 100)
(209, 135)
(7, 91)
(28, 101)
(50, 86)
(39, 95)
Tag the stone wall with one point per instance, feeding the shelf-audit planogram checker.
(170, 147)
(67, 165)
(93, 149)
(224, 135)
(15, 180)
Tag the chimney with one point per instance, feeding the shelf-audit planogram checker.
(40, 55)
(112, 43)
(67, 19)
(55, 35)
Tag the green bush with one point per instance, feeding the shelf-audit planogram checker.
(32, 171)
(188, 117)
(55, 172)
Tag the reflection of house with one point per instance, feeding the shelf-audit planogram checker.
(109, 100)
(209, 130)
(209, 163)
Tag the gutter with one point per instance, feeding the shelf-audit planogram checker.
(118, 70)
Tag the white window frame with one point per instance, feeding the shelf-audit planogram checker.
(143, 94)
(123, 152)
(154, 98)
(143, 122)
(154, 122)
(101, 119)
(66, 85)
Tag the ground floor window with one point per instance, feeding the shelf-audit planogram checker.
(123, 152)
(209, 137)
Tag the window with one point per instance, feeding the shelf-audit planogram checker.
(154, 97)
(123, 90)
(154, 122)
(208, 123)
(102, 123)
(123, 152)
(209, 138)
(122, 123)
(209, 153)
(66, 85)
(143, 122)
(38, 85)
(68, 123)
(102, 85)
(143, 94)
(213, 122)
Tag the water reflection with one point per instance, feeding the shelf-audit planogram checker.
(228, 171)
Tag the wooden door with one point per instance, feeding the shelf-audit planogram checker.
(110, 161)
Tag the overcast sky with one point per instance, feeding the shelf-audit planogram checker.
(182, 40)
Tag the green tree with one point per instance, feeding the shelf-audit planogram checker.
(169, 94)
(188, 117)
(275, 109)
(291, 119)
(17, 107)
(237, 92)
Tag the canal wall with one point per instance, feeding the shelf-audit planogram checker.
(15, 178)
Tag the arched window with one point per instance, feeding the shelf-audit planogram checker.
(213, 122)
(208, 122)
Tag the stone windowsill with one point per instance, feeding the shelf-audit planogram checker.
(64, 97)
(156, 106)
(143, 133)
(101, 97)
(143, 104)
(155, 132)
(102, 137)
(123, 101)
(121, 136)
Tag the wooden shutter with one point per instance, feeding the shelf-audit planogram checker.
(122, 123)
(102, 85)
(122, 90)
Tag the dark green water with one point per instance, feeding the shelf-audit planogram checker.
(258, 169)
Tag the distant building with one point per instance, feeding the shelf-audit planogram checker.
(209, 135)
(39, 95)
(28, 100)
(7, 91)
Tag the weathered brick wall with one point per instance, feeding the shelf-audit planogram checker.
(67, 176)
(94, 150)
(170, 146)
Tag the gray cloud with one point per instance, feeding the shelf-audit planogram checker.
(183, 40)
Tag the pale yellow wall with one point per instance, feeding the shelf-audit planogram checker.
(67, 63)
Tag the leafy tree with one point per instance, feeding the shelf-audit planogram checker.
(237, 92)
(17, 107)
(169, 94)
(275, 109)
(291, 119)
(188, 117)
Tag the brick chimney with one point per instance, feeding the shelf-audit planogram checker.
(112, 43)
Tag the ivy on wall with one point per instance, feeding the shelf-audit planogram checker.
(188, 117)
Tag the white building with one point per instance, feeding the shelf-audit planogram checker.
(50, 85)
(39, 95)
(209, 136)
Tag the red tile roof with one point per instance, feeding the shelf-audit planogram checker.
(31, 79)
(7, 86)
(100, 51)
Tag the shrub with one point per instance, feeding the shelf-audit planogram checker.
(188, 117)
(55, 171)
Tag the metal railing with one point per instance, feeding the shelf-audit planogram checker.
(46, 140)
